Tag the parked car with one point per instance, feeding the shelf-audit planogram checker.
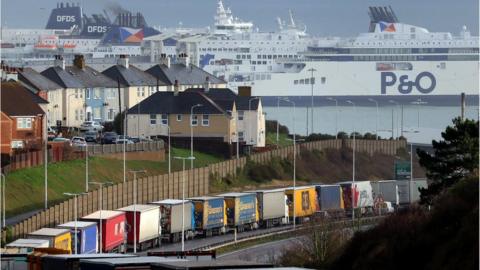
(91, 125)
(109, 137)
(79, 141)
(61, 139)
(51, 133)
(122, 141)
(135, 139)
(92, 136)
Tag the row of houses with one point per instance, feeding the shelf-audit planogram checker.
(78, 93)
(176, 98)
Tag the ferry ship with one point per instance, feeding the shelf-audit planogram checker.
(392, 59)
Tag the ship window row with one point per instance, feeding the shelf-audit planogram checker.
(397, 58)
(262, 77)
(390, 50)
(259, 62)
(323, 80)
(275, 56)
(241, 50)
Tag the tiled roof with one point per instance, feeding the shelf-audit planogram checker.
(36, 80)
(62, 77)
(90, 77)
(218, 94)
(132, 76)
(185, 75)
(167, 102)
(18, 101)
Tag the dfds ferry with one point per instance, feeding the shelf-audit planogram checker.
(392, 60)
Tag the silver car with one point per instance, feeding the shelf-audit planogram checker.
(91, 126)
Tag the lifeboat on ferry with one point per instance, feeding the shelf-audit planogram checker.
(46, 43)
(69, 46)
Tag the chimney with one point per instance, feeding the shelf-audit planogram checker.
(175, 88)
(206, 86)
(123, 61)
(59, 62)
(79, 61)
(184, 59)
(165, 60)
(244, 91)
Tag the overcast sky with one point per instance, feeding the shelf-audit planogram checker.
(322, 17)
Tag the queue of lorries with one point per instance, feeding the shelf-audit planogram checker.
(161, 221)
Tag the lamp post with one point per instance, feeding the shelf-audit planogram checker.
(191, 131)
(376, 122)
(278, 113)
(45, 161)
(75, 195)
(169, 150)
(135, 208)
(3, 186)
(124, 145)
(294, 161)
(183, 197)
(236, 132)
(419, 102)
(353, 162)
(250, 125)
(100, 202)
(312, 82)
(336, 116)
(398, 105)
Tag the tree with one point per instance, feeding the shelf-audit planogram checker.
(454, 158)
(118, 122)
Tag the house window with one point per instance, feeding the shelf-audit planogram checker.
(77, 115)
(205, 120)
(81, 114)
(179, 117)
(323, 80)
(111, 114)
(164, 119)
(140, 91)
(97, 93)
(241, 137)
(153, 119)
(152, 90)
(96, 113)
(240, 115)
(24, 123)
(194, 121)
(87, 93)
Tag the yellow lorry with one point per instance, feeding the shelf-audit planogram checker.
(305, 202)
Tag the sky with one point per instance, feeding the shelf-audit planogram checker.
(322, 17)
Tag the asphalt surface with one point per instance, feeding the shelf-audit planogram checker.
(198, 243)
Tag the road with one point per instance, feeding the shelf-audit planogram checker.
(203, 242)
(264, 253)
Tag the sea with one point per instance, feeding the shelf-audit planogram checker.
(421, 123)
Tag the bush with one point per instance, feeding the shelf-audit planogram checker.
(271, 127)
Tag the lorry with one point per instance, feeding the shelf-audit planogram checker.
(241, 209)
(210, 216)
(362, 195)
(87, 236)
(407, 187)
(111, 226)
(305, 201)
(147, 230)
(171, 219)
(272, 207)
(385, 190)
(329, 198)
(25, 245)
(58, 238)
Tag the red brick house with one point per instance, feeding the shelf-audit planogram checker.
(22, 119)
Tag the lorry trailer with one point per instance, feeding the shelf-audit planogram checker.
(146, 231)
(58, 238)
(171, 219)
(305, 202)
(272, 207)
(87, 236)
(241, 208)
(209, 215)
(111, 226)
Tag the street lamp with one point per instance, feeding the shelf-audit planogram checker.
(278, 113)
(101, 185)
(401, 122)
(183, 197)
(418, 102)
(191, 131)
(45, 161)
(250, 125)
(294, 160)
(336, 116)
(135, 208)
(75, 195)
(312, 82)
(376, 122)
(236, 132)
(4, 185)
(353, 162)
(169, 149)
